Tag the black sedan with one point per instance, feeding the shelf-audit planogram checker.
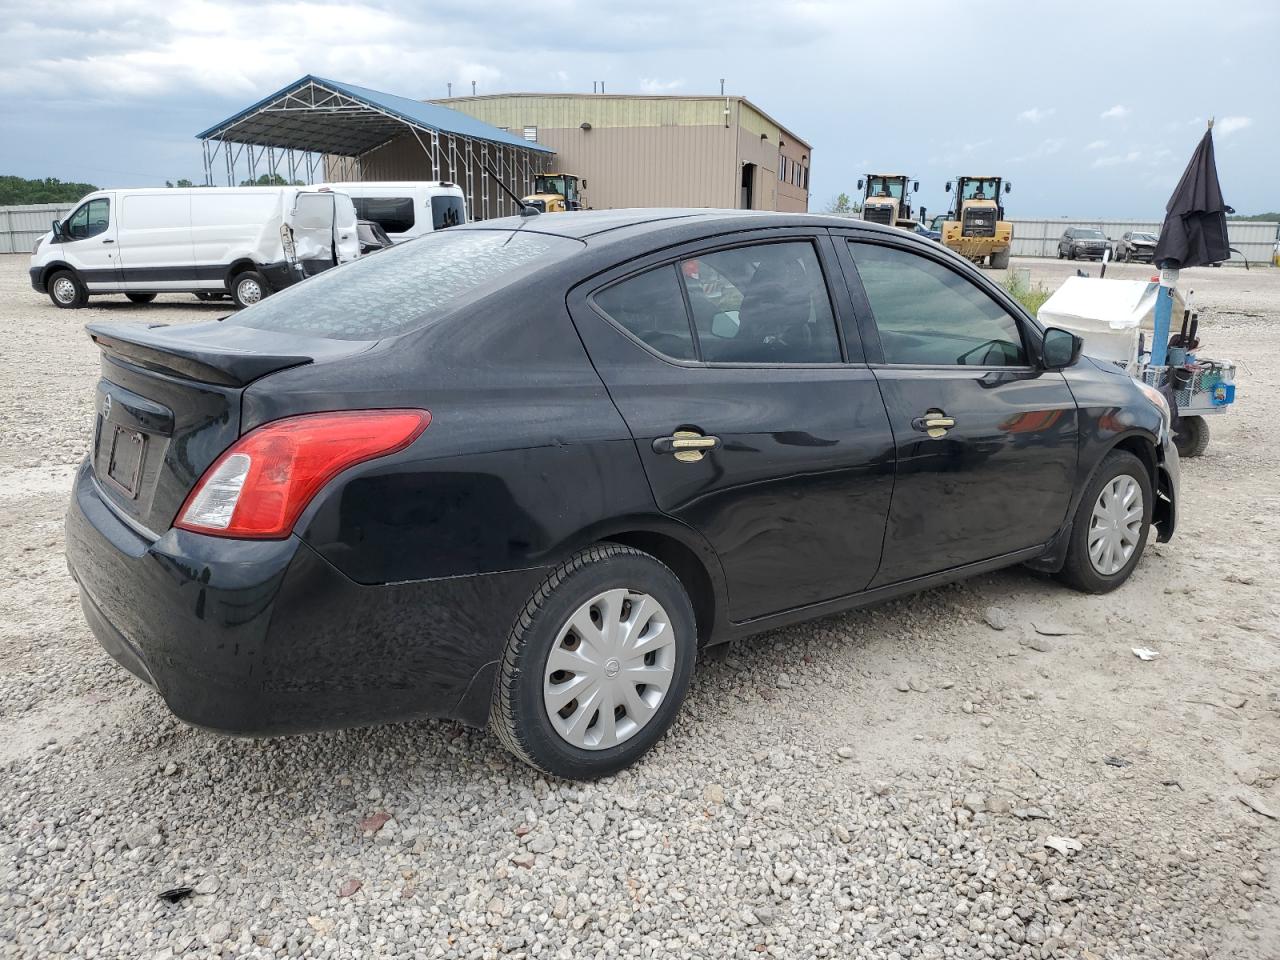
(1136, 245)
(520, 472)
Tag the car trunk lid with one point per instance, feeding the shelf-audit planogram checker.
(168, 403)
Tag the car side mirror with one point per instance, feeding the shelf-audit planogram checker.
(583, 184)
(1008, 187)
(948, 187)
(1061, 349)
(915, 187)
(859, 184)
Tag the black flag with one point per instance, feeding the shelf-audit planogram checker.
(1195, 222)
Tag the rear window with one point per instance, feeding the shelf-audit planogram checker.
(395, 214)
(447, 212)
(406, 286)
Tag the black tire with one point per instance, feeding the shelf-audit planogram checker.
(1192, 436)
(1071, 253)
(1000, 260)
(1078, 571)
(1061, 255)
(248, 288)
(519, 716)
(1128, 256)
(66, 290)
(141, 297)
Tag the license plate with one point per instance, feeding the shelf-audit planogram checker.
(124, 463)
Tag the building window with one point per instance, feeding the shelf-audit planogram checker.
(531, 134)
(804, 176)
(782, 167)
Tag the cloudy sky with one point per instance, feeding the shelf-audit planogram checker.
(1090, 108)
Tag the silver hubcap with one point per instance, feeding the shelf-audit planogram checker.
(609, 669)
(249, 291)
(1116, 525)
(64, 290)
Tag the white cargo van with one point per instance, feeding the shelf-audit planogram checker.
(211, 241)
(407, 209)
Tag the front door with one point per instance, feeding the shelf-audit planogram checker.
(755, 422)
(89, 244)
(986, 441)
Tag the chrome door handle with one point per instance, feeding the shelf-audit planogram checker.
(688, 446)
(935, 423)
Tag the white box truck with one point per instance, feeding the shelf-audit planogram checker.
(211, 241)
(409, 208)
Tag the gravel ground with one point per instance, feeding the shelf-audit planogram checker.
(933, 778)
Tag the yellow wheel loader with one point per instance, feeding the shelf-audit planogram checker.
(885, 199)
(556, 193)
(976, 227)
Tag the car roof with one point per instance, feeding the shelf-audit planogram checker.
(586, 224)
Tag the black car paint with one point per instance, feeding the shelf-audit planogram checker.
(395, 594)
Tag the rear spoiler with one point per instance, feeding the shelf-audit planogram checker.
(205, 352)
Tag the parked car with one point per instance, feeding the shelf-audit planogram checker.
(409, 208)
(924, 230)
(520, 472)
(1087, 243)
(372, 237)
(244, 241)
(1136, 245)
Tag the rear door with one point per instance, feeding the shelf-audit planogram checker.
(312, 221)
(754, 417)
(986, 441)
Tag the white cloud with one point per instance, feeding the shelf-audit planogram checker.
(1118, 112)
(652, 85)
(1096, 144)
(1133, 156)
(1229, 125)
(1036, 114)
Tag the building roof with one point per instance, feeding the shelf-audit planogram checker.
(328, 116)
(630, 96)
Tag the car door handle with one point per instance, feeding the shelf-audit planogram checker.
(108, 241)
(935, 423)
(688, 446)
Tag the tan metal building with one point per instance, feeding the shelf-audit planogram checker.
(640, 151)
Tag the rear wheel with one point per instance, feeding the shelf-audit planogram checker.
(141, 297)
(1000, 260)
(66, 290)
(1071, 253)
(597, 664)
(248, 288)
(1111, 525)
(1192, 436)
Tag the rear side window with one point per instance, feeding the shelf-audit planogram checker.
(393, 214)
(651, 307)
(764, 303)
(447, 212)
(406, 286)
(927, 314)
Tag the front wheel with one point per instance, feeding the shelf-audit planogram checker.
(248, 288)
(1071, 253)
(66, 290)
(1191, 437)
(597, 665)
(1111, 525)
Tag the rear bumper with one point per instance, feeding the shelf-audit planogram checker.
(267, 637)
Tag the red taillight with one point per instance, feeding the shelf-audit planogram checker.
(259, 487)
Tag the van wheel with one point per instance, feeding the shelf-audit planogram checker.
(249, 288)
(597, 664)
(1111, 525)
(66, 290)
(141, 297)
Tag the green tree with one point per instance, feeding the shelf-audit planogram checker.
(15, 190)
(181, 183)
(843, 205)
(271, 180)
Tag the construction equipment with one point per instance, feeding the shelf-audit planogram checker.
(556, 193)
(976, 227)
(885, 199)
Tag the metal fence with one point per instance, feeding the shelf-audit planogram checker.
(1039, 238)
(22, 226)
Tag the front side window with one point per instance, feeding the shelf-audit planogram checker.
(393, 214)
(928, 314)
(765, 303)
(90, 220)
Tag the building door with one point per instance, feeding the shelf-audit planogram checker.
(748, 185)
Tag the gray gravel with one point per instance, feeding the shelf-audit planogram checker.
(903, 782)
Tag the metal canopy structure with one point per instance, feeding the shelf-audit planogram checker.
(322, 129)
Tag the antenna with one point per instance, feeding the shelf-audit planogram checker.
(594, 84)
(722, 86)
(602, 86)
(526, 210)
(473, 88)
(450, 89)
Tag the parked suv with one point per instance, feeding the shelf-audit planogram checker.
(1082, 243)
(1136, 245)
